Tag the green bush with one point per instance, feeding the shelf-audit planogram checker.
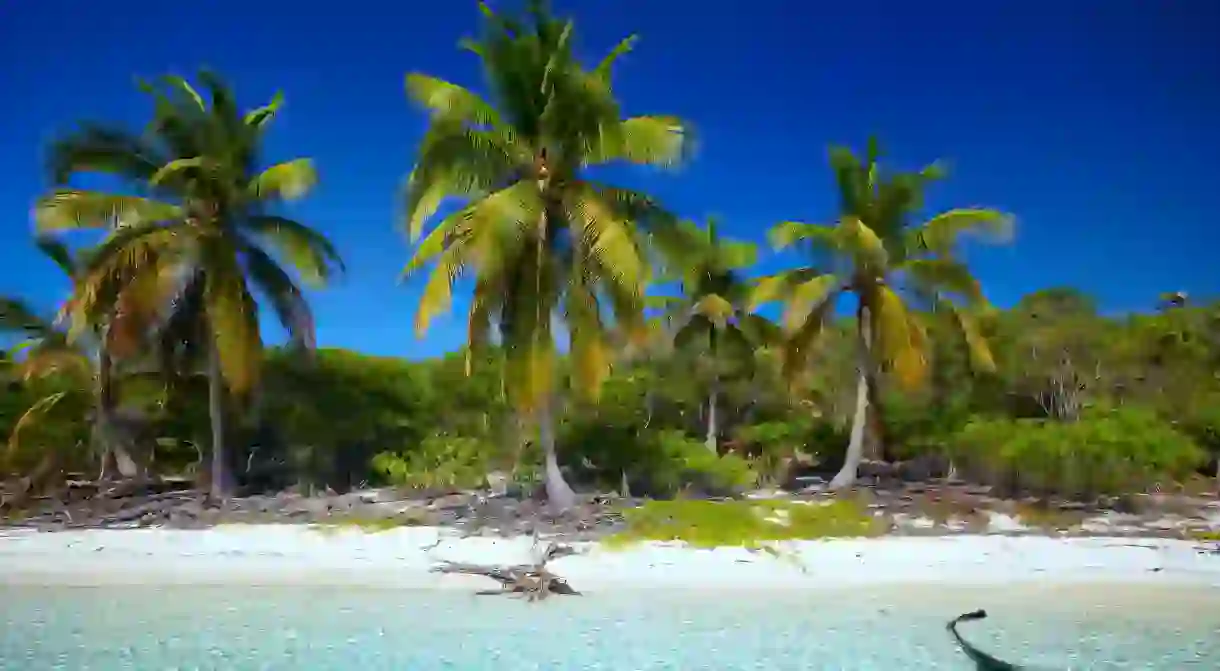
(743, 523)
(773, 446)
(60, 432)
(440, 462)
(917, 425)
(1202, 423)
(605, 449)
(1112, 451)
(688, 463)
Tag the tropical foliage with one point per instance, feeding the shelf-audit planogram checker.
(610, 344)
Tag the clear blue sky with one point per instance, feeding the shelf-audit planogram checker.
(1095, 122)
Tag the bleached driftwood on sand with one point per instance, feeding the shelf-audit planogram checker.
(532, 581)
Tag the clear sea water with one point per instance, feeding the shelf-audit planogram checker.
(331, 629)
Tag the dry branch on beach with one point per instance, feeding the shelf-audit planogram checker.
(532, 581)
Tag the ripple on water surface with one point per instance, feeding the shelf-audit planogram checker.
(324, 629)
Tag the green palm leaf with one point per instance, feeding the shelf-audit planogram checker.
(306, 250)
(284, 181)
(72, 209)
(941, 233)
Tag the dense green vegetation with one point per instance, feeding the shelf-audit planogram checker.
(666, 378)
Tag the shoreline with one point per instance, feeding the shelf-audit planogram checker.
(272, 555)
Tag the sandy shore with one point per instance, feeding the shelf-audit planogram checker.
(283, 554)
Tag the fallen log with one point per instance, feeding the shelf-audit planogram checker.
(155, 504)
(84, 516)
(531, 581)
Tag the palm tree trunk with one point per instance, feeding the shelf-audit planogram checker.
(710, 441)
(558, 493)
(106, 437)
(102, 415)
(876, 447)
(649, 406)
(846, 477)
(220, 473)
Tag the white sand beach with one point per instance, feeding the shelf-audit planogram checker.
(284, 554)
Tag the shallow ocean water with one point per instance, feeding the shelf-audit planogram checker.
(332, 628)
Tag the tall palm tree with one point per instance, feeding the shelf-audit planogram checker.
(876, 253)
(711, 315)
(199, 232)
(542, 240)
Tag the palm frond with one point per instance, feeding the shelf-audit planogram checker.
(232, 320)
(453, 162)
(788, 233)
(286, 298)
(258, 119)
(941, 233)
(901, 339)
(606, 65)
(102, 149)
(72, 209)
(310, 253)
(58, 252)
(39, 409)
(980, 352)
(798, 347)
(806, 299)
(862, 243)
(660, 141)
(944, 276)
(606, 240)
(16, 316)
(289, 180)
(779, 286)
(449, 102)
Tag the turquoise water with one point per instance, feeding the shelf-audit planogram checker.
(325, 629)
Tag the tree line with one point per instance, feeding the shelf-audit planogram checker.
(665, 375)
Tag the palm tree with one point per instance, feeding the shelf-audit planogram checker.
(47, 350)
(876, 253)
(43, 351)
(542, 240)
(197, 235)
(711, 316)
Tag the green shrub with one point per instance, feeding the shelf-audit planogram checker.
(1202, 423)
(604, 448)
(688, 463)
(743, 523)
(439, 462)
(917, 426)
(772, 446)
(1105, 452)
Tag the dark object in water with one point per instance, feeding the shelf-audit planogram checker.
(982, 661)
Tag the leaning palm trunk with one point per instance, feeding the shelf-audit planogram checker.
(846, 476)
(558, 493)
(710, 441)
(220, 473)
(875, 446)
(107, 439)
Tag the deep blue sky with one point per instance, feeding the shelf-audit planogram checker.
(1095, 122)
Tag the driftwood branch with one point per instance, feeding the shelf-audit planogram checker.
(532, 581)
(982, 661)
